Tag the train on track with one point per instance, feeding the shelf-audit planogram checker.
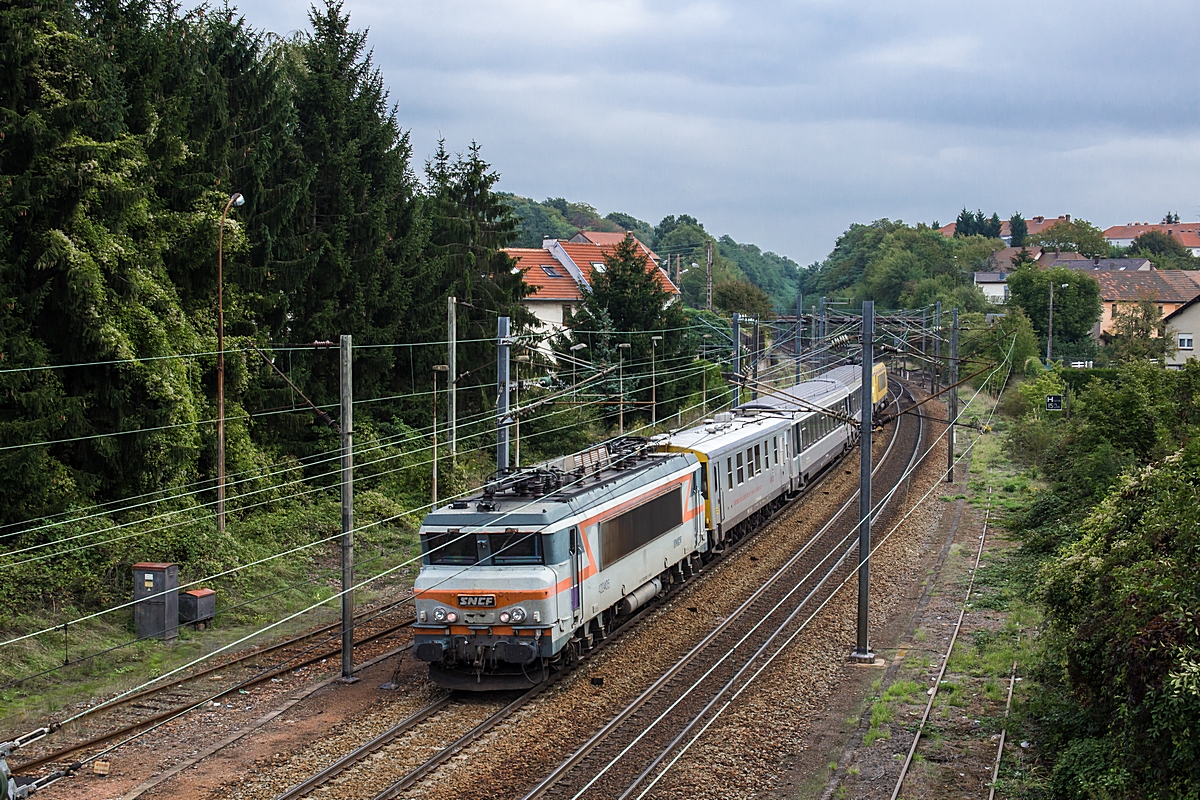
(526, 576)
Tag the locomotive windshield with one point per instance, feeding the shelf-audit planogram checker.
(456, 548)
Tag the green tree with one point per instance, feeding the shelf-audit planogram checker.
(1139, 334)
(991, 230)
(360, 228)
(1076, 306)
(1163, 250)
(742, 297)
(1018, 229)
(1078, 236)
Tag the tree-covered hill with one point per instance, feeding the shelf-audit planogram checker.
(738, 269)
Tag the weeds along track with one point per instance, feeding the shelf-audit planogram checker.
(619, 759)
(156, 704)
(442, 735)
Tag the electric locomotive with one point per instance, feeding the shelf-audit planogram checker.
(525, 576)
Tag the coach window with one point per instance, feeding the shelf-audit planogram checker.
(741, 472)
(775, 447)
(757, 459)
(729, 471)
(749, 462)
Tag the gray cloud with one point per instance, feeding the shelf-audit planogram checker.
(782, 123)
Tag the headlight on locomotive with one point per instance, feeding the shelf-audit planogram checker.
(439, 614)
(518, 615)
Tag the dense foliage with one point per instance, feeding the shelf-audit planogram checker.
(753, 281)
(127, 126)
(1118, 537)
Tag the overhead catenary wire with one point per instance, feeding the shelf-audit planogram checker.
(267, 558)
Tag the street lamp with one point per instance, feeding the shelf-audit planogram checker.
(517, 404)
(436, 369)
(1050, 325)
(621, 348)
(236, 199)
(654, 340)
(575, 348)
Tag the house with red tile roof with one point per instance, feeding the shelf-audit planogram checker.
(560, 271)
(1121, 291)
(1033, 225)
(1186, 233)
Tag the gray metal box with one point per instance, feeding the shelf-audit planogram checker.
(197, 606)
(156, 600)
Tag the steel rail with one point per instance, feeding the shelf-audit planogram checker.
(779, 631)
(342, 764)
(945, 661)
(582, 752)
(61, 754)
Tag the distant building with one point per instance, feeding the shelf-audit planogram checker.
(994, 286)
(1105, 264)
(560, 271)
(1033, 225)
(1184, 324)
(1120, 292)
(1186, 233)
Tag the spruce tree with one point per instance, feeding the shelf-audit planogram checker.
(964, 224)
(992, 228)
(1018, 229)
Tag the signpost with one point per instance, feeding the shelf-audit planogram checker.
(1054, 402)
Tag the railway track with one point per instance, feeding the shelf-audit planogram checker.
(393, 751)
(635, 744)
(140, 710)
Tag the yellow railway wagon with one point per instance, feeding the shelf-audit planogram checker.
(878, 385)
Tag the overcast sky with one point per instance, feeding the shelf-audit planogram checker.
(783, 123)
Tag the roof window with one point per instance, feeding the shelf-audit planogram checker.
(551, 271)
(596, 265)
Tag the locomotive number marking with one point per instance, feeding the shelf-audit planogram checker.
(605, 586)
(477, 601)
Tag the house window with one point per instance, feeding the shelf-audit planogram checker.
(1160, 308)
(551, 271)
(566, 312)
(1114, 311)
(1185, 341)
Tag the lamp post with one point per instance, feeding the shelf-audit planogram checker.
(522, 359)
(621, 348)
(704, 376)
(1050, 324)
(436, 369)
(575, 348)
(236, 199)
(654, 340)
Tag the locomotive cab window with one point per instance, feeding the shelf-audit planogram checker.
(516, 547)
(451, 547)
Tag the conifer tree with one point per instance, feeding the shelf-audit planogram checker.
(1018, 229)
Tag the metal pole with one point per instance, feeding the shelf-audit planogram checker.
(621, 392)
(821, 326)
(517, 418)
(924, 354)
(502, 346)
(952, 401)
(799, 332)
(653, 385)
(937, 343)
(1050, 325)
(708, 282)
(754, 363)
(862, 652)
(737, 359)
(347, 426)
(452, 375)
(433, 474)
